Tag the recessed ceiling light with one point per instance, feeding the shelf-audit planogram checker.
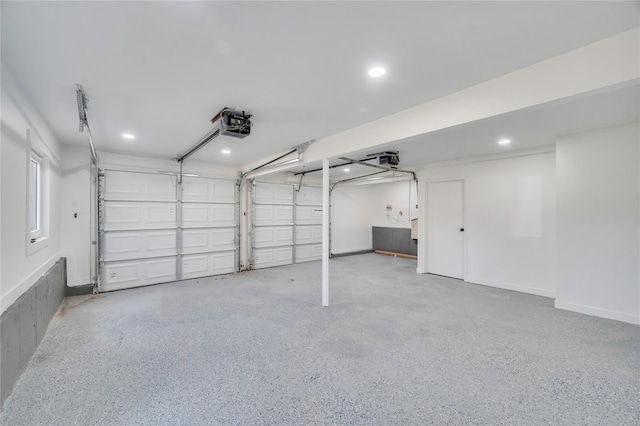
(225, 151)
(347, 170)
(128, 136)
(504, 141)
(377, 72)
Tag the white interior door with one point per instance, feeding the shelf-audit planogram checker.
(445, 228)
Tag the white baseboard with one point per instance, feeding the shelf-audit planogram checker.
(598, 312)
(510, 286)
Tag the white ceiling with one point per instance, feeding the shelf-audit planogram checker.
(527, 129)
(161, 70)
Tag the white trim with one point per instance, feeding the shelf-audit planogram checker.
(598, 312)
(510, 286)
(15, 293)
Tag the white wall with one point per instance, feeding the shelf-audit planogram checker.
(598, 182)
(403, 198)
(357, 208)
(21, 270)
(75, 199)
(351, 218)
(509, 221)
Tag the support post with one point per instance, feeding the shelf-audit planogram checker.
(325, 232)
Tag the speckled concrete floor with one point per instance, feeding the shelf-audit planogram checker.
(394, 348)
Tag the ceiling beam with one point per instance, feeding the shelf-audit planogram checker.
(604, 64)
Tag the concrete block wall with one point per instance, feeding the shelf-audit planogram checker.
(24, 324)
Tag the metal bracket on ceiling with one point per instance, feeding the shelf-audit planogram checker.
(205, 140)
(303, 146)
(377, 166)
(214, 133)
(84, 121)
(363, 177)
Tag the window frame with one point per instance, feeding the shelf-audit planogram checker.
(35, 233)
(36, 150)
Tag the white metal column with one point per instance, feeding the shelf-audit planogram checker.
(325, 232)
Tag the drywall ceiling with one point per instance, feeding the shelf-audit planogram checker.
(527, 129)
(161, 70)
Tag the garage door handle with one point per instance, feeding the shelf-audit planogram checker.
(461, 229)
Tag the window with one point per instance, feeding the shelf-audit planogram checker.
(35, 196)
(37, 199)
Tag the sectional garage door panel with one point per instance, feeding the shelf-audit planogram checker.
(273, 193)
(203, 190)
(273, 256)
(128, 274)
(206, 264)
(209, 231)
(149, 236)
(208, 240)
(198, 215)
(309, 196)
(139, 186)
(308, 253)
(287, 224)
(133, 215)
(308, 215)
(138, 214)
(308, 234)
(273, 215)
(308, 224)
(123, 245)
(272, 224)
(272, 236)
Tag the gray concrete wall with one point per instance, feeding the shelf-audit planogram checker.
(397, 240)
(23, 324)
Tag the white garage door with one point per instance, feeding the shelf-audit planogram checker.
(286, 224)
(272, 224)
(209, 231)
(154, 230)
(308, 224)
